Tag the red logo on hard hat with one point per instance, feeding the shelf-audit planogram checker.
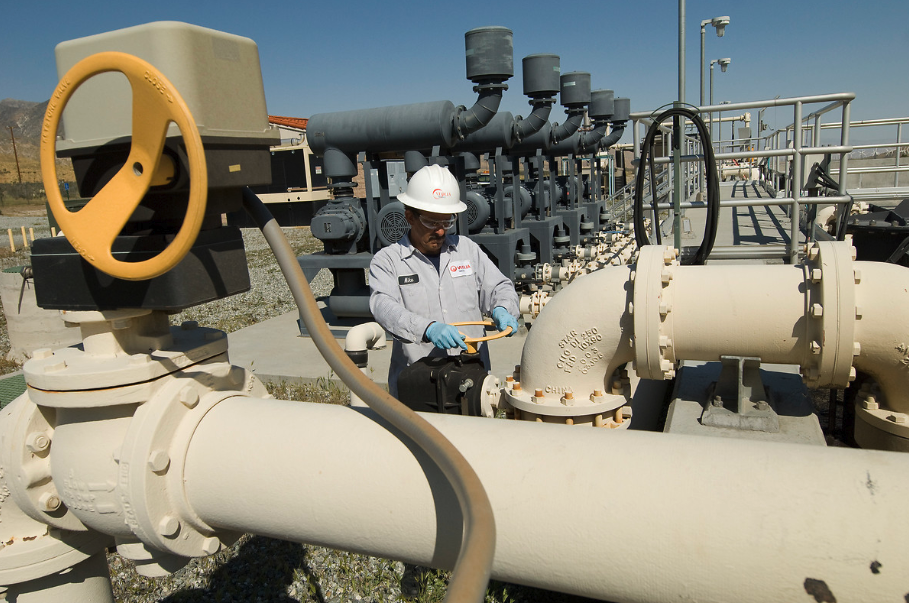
(439, 193)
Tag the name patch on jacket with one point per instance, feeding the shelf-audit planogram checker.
(460, 268)
(409, 279)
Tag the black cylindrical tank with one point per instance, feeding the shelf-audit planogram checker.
(541, 75)
(602, 104)
(490, 53)
(575, 89)
(396, 128)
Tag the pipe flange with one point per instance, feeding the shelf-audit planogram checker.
(91, 381)
(26, 465)
(651, 309)
(830, 277)
(564, 404)
(154, 454)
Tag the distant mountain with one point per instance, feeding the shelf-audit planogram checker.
(25, 118)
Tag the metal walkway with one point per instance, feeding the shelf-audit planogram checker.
(741, 229)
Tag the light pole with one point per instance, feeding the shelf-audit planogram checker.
(720, 24)
(724, 63)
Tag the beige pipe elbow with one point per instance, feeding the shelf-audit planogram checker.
(575, 346)
(881, 333)
(367, 336)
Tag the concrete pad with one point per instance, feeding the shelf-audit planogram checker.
(275, 351)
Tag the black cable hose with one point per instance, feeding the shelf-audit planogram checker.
(713, 185)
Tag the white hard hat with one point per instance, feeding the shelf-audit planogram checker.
(432, 188)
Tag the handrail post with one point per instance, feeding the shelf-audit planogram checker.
(844, 140)
(899, 149)
(796, 184)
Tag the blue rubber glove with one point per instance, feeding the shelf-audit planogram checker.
(445, 336)
(503, 318)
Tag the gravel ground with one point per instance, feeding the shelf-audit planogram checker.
(258, 569)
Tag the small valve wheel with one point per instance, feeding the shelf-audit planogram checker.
(93, 229)
(471, 349)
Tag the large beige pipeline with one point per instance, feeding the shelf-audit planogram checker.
(632, 516)
(831, 316)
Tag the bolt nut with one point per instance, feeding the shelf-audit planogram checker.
(158, 461)
(630, 307)
(897, 418)
(55, 367)
(213, 335)
(858, 312)
(717, 401)
(813, 252)
(666, 276)
(189, 325)
(49, 502)
(762, 405)
(139, 359)
(816, 275)
(168, 526)
(210, 546)
(37, 441)
(815, 347)
(42, 353)
(857, 275)
(817, 310)
(870, 403)
(189, 397)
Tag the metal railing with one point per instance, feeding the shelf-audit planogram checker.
(785, 155)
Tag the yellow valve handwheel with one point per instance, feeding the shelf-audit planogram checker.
(156, 103)
(471, 349)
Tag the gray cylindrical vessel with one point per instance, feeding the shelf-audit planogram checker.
(489, 52)
(622, 109)
(575, 89)
(499, 132)
(602, 104)
(541, 75)
(396, 128)
(538, 140)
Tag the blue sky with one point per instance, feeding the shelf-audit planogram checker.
(328, 56)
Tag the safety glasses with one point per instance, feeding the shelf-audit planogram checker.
(437, 224)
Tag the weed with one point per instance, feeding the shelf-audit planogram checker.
(323, 390)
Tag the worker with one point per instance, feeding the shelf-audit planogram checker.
(431, 278)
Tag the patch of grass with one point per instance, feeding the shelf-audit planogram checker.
(324, 391)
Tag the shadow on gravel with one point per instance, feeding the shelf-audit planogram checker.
(262, 571)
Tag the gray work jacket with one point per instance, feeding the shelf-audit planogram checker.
(408, 293)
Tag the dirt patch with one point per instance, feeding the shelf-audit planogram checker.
(24, 211)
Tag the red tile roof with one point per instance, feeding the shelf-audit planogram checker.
(290, 122)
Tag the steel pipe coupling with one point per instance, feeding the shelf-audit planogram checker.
(151, 461)
(802, 315)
